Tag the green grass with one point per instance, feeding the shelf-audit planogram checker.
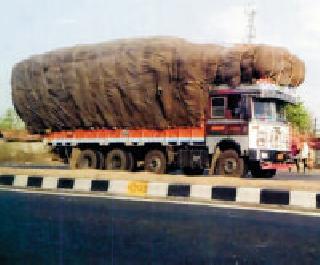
(11, 121)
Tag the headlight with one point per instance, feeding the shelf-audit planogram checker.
(264, 155)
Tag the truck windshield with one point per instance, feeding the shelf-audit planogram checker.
(264, 109)
(267, 109)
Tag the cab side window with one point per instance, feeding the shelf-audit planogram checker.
(218, 107)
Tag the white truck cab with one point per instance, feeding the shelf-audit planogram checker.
(250, 120)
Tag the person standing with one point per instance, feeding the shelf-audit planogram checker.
(305, 155)
(295, 155)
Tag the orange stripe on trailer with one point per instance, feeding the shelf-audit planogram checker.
(131, 133)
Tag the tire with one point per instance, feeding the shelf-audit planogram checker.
(230, 164)
(85, 159)
(131, 166)
(116, 159)
(269, 173)
(155, 161)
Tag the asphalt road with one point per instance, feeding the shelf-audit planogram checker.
(56, 229)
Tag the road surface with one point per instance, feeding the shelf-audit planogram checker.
(58, 229)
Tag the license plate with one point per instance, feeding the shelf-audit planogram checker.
(280, 156)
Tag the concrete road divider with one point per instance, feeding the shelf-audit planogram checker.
(178, 190)
(65, 183)
(248, 195)
(118, 186)
(82, 184)
(49, 183)
(33, 182)
(157, 189)
(224, 193)
(194, 192)
(303, 199)
(272, 196)
(99, 185)
(21, 181)
(7, 180)
(137, 188)
(201, 192)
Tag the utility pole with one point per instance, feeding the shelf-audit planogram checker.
(250, 13)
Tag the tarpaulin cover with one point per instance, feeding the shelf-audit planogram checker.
(139, 83)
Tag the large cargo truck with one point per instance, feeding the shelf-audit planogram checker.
(243, 129)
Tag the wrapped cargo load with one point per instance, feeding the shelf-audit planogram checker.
(138, 83)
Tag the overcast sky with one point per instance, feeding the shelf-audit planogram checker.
(34, 26)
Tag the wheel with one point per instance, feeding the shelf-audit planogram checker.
(155, 161)
(193, 171)
(229, 163)
(269, 173)
(131, 166)
(258, 172)
(116, 159)
(84, 159)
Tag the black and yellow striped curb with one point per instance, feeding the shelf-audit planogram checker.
(305, 199)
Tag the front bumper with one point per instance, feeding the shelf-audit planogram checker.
(277, 166)
(269, 156)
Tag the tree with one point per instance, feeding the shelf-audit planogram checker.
(11, 121)
(299, 117)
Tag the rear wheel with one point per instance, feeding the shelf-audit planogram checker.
(84, 159)
(155, 161)
(131, 162)
(116, 159)
(230, 164)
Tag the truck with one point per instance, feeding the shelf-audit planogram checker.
(243, 130)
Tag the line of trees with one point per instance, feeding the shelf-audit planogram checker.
(11, 121)
(299, 117)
